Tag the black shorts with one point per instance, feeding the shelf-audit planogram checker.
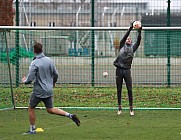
(34, 101)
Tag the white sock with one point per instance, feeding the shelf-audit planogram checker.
(32, 127)
(68, 115)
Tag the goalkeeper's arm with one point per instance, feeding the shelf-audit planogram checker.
(123, 40)
(136, 45)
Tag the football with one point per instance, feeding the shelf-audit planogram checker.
(105, 74)
(137, 25)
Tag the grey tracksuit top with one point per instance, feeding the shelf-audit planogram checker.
(43, 72)
(126, 51)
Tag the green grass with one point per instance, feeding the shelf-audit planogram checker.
(144, 97)
(95, 125)
(107, 97)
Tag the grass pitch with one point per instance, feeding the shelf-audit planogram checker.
(147, 97)
(95, 125)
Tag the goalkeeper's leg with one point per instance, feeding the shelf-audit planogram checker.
(119, 82)
(128, 81)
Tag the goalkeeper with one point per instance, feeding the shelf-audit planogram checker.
(44, 74)
(123, 66)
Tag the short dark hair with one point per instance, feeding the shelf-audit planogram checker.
(38, 48)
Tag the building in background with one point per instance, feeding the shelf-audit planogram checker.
(107, 13)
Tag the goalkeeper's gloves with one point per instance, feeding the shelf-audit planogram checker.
(131, 25)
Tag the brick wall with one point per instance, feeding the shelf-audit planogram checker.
(6, 12)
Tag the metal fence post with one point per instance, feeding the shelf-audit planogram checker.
(17, 44)
(168, 44)
(92, 42)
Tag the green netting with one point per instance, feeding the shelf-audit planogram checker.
(156, 61)
(9, 56)
(81, 56)
(150, 73)
(6, 96)
(156, 43)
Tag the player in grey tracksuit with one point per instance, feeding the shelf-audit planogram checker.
(43, 74)
(123, 66)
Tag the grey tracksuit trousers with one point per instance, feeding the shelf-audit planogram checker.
(124, 74)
